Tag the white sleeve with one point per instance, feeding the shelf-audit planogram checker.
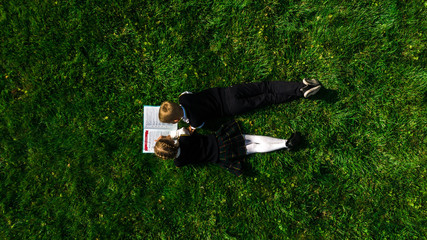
(179, 132)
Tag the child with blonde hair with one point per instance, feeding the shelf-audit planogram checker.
(209, 104)
(226, 148)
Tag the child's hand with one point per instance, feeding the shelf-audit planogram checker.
(191, 130)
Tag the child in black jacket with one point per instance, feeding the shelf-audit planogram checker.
(226, 148)
(196, 108)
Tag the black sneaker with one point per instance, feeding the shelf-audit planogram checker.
(294, 141)
(312, 86)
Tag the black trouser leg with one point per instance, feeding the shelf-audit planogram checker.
(249, 96)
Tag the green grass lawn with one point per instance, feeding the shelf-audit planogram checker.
(76, 74)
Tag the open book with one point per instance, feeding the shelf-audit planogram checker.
(153, 128)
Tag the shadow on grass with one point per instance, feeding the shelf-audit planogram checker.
(248, 170)
(425, 97)
(327, 95)
(304, 144)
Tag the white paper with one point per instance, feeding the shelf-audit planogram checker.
(153, 128)
(151, 119)
(150, 135)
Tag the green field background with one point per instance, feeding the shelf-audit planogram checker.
(75, 75)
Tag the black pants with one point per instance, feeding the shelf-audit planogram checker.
(245, 97)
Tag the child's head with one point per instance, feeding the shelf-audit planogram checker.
(170, 112)
(166, 148)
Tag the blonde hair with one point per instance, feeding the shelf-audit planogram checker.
(166, 148)
(169, 111)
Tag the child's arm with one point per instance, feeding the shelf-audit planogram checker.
(191, 130)
(179, 132)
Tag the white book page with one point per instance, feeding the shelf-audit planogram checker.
(150, 135)
(151, 119)
(153, 128)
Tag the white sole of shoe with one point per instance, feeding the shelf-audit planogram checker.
(312, 91)
(312, 82)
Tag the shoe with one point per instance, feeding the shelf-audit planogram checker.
(310, 82)
(312, 86)
(294, 141)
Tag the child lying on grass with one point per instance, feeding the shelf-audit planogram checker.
(209, 104)
(226, 148)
